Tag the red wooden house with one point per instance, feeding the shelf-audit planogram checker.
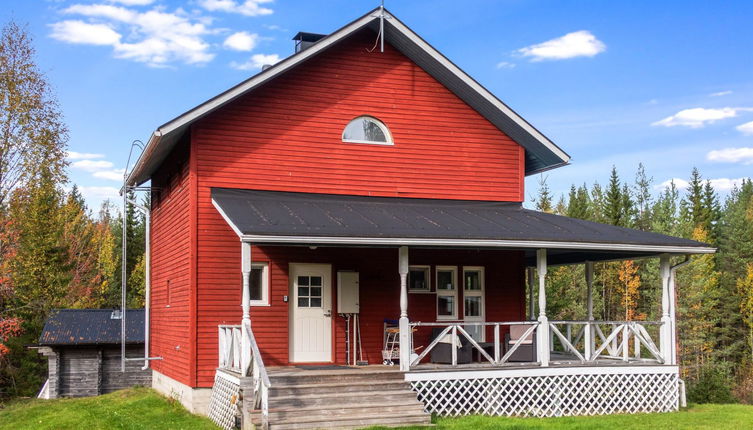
(353, 194)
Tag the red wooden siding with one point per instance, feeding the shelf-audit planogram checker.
(287, 135)
(379, 295)
(170, 311)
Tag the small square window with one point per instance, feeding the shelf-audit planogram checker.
(446, 306)
(418, 279)
(303, 302)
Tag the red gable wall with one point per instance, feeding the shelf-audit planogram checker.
(286, 136)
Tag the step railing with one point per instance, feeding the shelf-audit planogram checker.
(456, 329)
(230, 347)
(234, 340)
(589, 341)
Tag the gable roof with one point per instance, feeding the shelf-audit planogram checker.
(91, 327)
(274, 217)
(541, 153)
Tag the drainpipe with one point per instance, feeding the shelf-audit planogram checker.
(147, 278)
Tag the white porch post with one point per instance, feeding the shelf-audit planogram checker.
(405, 334)
(673, 316)
(666, 345)
(246, 307)
(531, 304)
(542, 334)
(588, 332)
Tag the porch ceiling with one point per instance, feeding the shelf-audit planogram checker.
(272, 217)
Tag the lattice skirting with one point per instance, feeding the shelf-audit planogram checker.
(225, 400)
(549, 392)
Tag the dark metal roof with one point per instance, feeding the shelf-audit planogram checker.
(271, 217)
(91, 327)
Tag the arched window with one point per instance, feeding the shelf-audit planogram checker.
(367, 129)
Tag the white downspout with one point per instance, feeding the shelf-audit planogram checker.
(147, 278)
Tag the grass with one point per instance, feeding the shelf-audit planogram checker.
(143, 408)
(135, 408)
(716, 417)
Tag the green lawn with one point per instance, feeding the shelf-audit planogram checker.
(136, 408)
(717, 417)
(143, 408)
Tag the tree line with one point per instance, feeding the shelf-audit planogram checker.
(714, 292)
(54, 251)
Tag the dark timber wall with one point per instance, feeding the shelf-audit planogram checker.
(82, 371)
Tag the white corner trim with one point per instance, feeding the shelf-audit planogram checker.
(227, 219)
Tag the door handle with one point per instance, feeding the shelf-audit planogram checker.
(328, 313)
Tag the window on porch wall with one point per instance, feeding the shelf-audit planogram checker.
(473, 301)
(259, 284)
(447, 293)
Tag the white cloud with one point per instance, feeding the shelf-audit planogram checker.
(74, 31)
(698, 117)
(731, 155)
(73, 155)
(576, 44)
(133, 2)
(719, 184)
(112, 175)
(680, 184)
(256, 61)
(98, 193)
(505, 65)
(243, 7)
(746, 129)
(92, 165)
(720, 93)
(241, 41)
(154, 37)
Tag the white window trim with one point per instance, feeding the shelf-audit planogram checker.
(265, 283)
(382, 126)
(445, 293)
(426, 290)
(482, 294)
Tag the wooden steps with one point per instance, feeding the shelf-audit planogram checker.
(342, 399)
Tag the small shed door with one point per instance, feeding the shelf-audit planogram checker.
(311, 313)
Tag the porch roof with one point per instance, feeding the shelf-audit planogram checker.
(273, 217)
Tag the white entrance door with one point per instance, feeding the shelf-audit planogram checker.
(311, 313)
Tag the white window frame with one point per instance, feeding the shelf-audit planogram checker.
(265, 283)
(427, 270)
(472, 293)
(382, 126)
(446, 293)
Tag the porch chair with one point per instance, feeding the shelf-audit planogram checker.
(442, 351)
(526, 352)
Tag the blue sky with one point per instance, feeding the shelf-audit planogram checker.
(668, 83)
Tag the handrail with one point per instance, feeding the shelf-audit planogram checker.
(455, 328)
(231, 357)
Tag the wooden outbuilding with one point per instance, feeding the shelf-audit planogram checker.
(83, 350)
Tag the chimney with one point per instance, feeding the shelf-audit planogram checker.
(304, 40)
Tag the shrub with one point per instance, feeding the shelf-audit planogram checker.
(713, 385)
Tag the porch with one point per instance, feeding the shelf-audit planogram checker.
(467, 362)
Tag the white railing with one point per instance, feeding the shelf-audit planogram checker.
(230, 347)
(590, 341)
(232, 340)
(584, 341)
(455, 329)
